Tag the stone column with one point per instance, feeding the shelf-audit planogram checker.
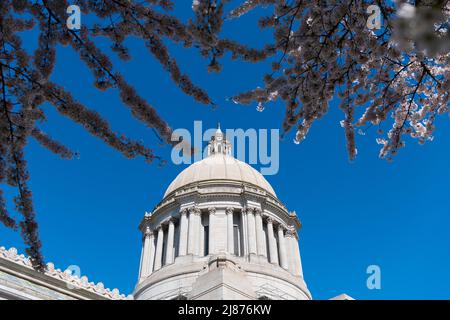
(283, 249)
(297, 265)
(273, 254)
(183, 240)
(230, 231)
(260, 233)
(140, 261)
(198, 229)
(159, 248)
(147, 254)
(211, 233)
(244, 232)
(192, 231)
(290, 247)
(170, 240)
(251, 231)
(152, 252)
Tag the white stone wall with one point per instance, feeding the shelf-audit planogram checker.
(19, 281)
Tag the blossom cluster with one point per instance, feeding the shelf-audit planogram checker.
(400, 72)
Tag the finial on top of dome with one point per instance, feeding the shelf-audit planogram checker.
(218, 131)
(218, 144)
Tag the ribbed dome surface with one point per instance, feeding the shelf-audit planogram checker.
(219, 167)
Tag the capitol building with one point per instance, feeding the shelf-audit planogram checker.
(220, 232)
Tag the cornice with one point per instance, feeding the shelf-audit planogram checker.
(235, 189)
(198, 192)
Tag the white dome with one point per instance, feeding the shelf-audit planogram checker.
(219, 166)
(220, 209)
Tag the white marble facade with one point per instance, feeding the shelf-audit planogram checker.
(220, 232)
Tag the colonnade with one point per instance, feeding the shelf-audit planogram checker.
(259, 235)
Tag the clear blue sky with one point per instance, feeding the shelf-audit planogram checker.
(370, 212)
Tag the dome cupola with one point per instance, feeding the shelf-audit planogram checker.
(219, 165)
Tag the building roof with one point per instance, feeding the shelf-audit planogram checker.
(219, 165)
(27, 283)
